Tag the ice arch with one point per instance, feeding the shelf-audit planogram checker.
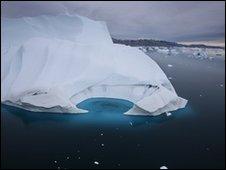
(147, 98)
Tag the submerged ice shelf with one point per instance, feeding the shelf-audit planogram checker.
(51, 63)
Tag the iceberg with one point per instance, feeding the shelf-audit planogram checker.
(51, 63)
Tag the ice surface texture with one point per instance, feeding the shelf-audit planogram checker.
(51, 63)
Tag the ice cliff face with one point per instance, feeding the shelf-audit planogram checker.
(51, 63)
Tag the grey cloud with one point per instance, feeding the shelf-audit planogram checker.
(173, 21)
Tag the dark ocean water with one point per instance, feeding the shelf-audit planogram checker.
(193, 137)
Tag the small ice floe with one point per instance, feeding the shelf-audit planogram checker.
(200, 95)
(170, 65)
(211, 58)
(131, 123)
(168, 114)
(95, 162)
(102, 144)
(221, 85)
(170, 78)
(163, 167)
(55, 162)
(68, 157)
(101, 134)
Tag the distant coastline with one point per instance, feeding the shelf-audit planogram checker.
(159, 43)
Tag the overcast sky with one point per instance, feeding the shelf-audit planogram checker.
(172, 21)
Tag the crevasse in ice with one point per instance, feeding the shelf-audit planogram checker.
(51, 63)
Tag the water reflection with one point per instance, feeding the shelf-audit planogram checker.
(101, 111)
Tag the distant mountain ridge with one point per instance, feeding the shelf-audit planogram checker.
(159, 43)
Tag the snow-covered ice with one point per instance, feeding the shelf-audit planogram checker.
(191, 52)
(52, 63)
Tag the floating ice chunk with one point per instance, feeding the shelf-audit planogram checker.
(95, 162)
(170, 65)
(163, 167)
(211, 58)
(92, 66)
(168, 114)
